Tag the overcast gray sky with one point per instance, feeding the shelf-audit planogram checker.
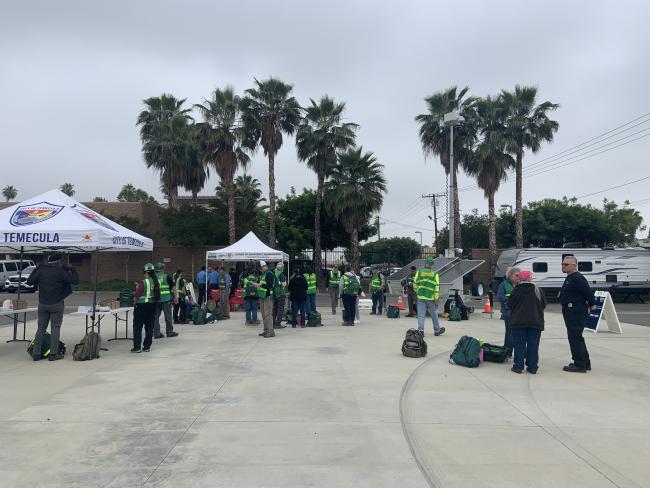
(73, 76)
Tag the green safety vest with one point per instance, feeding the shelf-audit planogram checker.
(180, 289)
(222, 281)
(507, 288)
(426, 284)
(250, 292)
(147, 295)
(165, 292)
(335, 278)
(278, 289)
(351, 286)
(375, 284)
(261, 291)
(311, 283)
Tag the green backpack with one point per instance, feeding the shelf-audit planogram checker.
(45, 346)
(466, 353)
(352, 287)
(392, 312)
(314, 320)
(198, 316)
(454, 314)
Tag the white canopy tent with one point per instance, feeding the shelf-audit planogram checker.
(53, 220)
(248, 248)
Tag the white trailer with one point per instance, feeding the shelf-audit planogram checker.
(622, 272)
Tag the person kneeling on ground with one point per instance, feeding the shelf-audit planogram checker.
(527, 305)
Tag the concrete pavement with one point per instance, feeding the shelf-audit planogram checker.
(219, 406)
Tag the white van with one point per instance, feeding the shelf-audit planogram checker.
(10, 267)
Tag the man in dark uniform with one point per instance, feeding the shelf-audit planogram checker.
(576, 298)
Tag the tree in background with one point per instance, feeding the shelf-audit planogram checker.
(250, 208)
(192, 226)
(270, 111)
(68, 189)
(354, 192)
(527, 126)
(164, 135)
(320, 137)
(9, 193)
(395, 251)
(490, 162)
(195, 171)
(434, 136)
(224, 142)
(130, 193)
(99, 200)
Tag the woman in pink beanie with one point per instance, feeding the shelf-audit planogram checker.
(527, 305)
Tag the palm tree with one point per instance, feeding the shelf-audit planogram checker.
(434, 136)
(528, 125)
(490, 161)
(68, 189)
(225, 142)
(9, 192)
(195, 170)
(163, 132)
(354, 191)
(321, 135)
(270, 111)
(249, 204)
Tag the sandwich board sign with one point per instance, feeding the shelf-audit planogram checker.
(604, 312)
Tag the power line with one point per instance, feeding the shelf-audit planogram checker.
(406, 225)
(614, 187)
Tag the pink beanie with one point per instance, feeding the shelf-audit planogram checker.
(525, 275)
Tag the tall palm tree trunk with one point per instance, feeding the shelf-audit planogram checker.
(492, 234)
(195, 197)
(354, 249)
(317, 232)
(271, 199)
(172, 197)
(458, 238)
(519, 226)
(230, 193)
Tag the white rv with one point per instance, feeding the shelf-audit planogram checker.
(619, 271)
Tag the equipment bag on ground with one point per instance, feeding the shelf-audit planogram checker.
(466, 353)
(392, 312)
(314, 320)
(454, 314)
(88, 348)
(198, 316)
(414, 345)
(45, 346)
(494, 354)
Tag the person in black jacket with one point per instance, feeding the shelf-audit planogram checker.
(576, 298)
(54, 281)
(298, 297)
(527, 305)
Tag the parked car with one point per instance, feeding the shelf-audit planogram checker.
(11, 283)
(9, 267)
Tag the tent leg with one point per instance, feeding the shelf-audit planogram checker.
(95, 288)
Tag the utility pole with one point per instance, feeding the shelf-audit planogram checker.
(450, 119)
(434, 204)
(378, 224)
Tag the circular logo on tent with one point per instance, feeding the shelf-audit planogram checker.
(93, 217)
(34, 214)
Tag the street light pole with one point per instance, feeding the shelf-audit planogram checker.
(419, 232)
(451, 119)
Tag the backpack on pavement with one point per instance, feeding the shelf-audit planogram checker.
(466, 353)
(414, 345)
(314, 320)
(45, 346)
(88, 348)
(494, 354)
(198, 316)
(454, 314)
(392, 312)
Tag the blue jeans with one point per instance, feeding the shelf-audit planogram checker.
(423, 306)
(310, 305)
(250, 306)
(295, 306)
(526, 342)
(378, 301)
(507, 339)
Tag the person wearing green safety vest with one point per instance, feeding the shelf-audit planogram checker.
(251, 300)
(377, 288)
(145, 299)
(179, 306)
(279, 295)
(310, 278)
(333, 278)
(426, 285)
(165, 304)
(350, 288)
(225, 282)
(503, 294)
(264, 292)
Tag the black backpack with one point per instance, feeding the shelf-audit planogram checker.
(466, 353)
(45, 346)
(493, 353)
(414, 345)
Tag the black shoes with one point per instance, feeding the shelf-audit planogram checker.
(159, 336)
(572, 368)
(532, 371)
(55, 357)
(440, 332)
(37, 358)
(135, 350)
(373, 313)
(146, 349)
(588, 368)
(516, 370)
(172, 334)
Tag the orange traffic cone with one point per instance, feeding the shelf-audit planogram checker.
(400, 302)
(487, 307)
